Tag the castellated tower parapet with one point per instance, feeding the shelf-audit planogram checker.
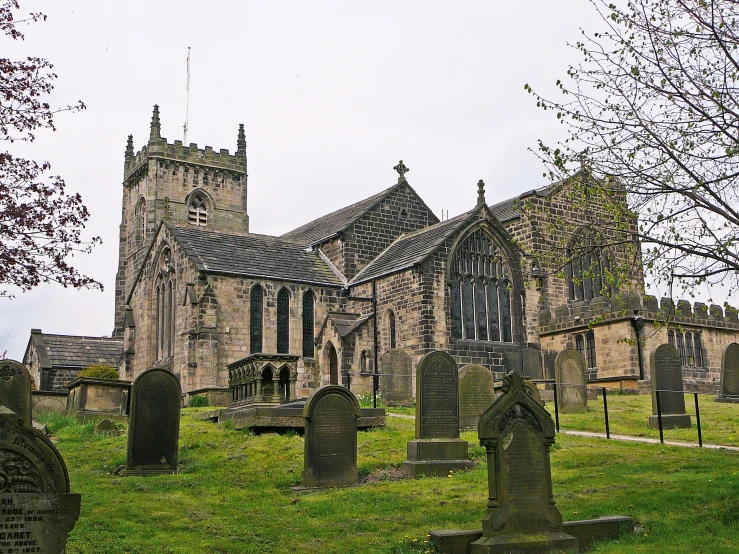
(181, 184)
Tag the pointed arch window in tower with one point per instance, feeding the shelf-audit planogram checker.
(198, 211)
(283, 322)
(480, 291)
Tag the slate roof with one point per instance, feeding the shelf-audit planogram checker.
(412, 248)
(76, 351)
(506, 211)
(346, 323)
(250, 255)
(335, 222)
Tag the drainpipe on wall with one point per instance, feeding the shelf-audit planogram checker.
(374, 325)
(637, 322)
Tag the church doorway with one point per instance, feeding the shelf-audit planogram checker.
(284, 385)
(333, 364)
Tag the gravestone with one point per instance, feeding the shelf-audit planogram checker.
(729, 390)
(476, 392)
(569, 371)
(15, 389)
(37, 511)
(331, 415)
(667, 379)
(396, 381)
(437, 448)
(154, 423)
(104, 427)
(517, 433)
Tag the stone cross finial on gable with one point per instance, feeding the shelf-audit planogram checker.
(480, 192)
(402, 169)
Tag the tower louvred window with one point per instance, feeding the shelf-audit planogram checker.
(198, 211)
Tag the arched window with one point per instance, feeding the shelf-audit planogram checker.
(480, 293)
(308, 325)
(689, 353)
(588, 269)
(256, 316)
(391, 328)
(698, 349)
(689, 345)
(681, 347)
(142, 219)
(590, 350)
(165, 307)
(198, 211)
(580, 344)
(671, 337)
(283, 322)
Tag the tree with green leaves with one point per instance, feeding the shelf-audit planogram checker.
(651, 113)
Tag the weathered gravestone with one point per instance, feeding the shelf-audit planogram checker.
(37, 511)
(154, 423)
(517, 433)
(569, 372)
(396, 381)
(476, 392)
(437, 448)
(331, 415)
(729, 390)
(15, 389)
(104, 427)
(667, 381)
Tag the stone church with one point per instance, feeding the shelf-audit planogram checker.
(233, 312)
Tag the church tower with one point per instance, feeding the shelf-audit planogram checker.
(180, 184)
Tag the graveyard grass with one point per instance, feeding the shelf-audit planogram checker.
(233, 494)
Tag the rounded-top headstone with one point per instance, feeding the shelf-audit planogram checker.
(569, 373)
(437, 397)
(396, 381)
(476, 392)
(331, 415)
(667, 378)
(154, 423)
(15, 389)
(730, 371)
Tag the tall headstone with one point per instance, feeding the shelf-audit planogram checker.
(15, 389)
(154, 423)
(331, 415)
(396, 381)
(34, 490)
(437, 448)
(729, 390)
(476, 392)
(569, 374)
(667, 381)
(521, 515)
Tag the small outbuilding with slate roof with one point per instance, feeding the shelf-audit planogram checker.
(56, 360)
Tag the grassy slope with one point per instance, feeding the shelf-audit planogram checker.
(233, 495)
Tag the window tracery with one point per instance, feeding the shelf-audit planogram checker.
(588, 268)
(165, 307)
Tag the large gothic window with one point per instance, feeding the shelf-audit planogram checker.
(588, 268)
(197, 211)
(308, 325)
(480, 294)
(256, 316)
(165, 307)
(283, 322)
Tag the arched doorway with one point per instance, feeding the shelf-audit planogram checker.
(284, 385)
(268, 387)
(333, 364)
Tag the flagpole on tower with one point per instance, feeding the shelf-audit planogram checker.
(187, 99)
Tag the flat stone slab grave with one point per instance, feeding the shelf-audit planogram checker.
(667, 377)
(154, 424)
(729, 389)
(476, 392)
(437, 448)
(331, 415)
(569, 371)
(37, 511)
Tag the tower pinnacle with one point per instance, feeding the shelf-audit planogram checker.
(480, 192)
(156, 126)
(129, 149)
(241, 142)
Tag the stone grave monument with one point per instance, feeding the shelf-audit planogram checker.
(521, 516)
(37, 510)
(15, 389)
(437, 448)
(569, 374)
(667, 377)
(729, 389)
(331, 415)
(476, 392)
(154, 423)
(396, 381)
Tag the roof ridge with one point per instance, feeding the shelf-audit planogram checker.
(188, 227)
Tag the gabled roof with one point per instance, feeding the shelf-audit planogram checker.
(506, 211)
(412, 248)
(328, 226)
(250, 255)
(346, 323)
(75, 351)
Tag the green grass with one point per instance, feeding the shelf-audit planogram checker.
(629, 414)
(233, 495)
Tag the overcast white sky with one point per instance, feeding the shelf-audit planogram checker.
(332, 95)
